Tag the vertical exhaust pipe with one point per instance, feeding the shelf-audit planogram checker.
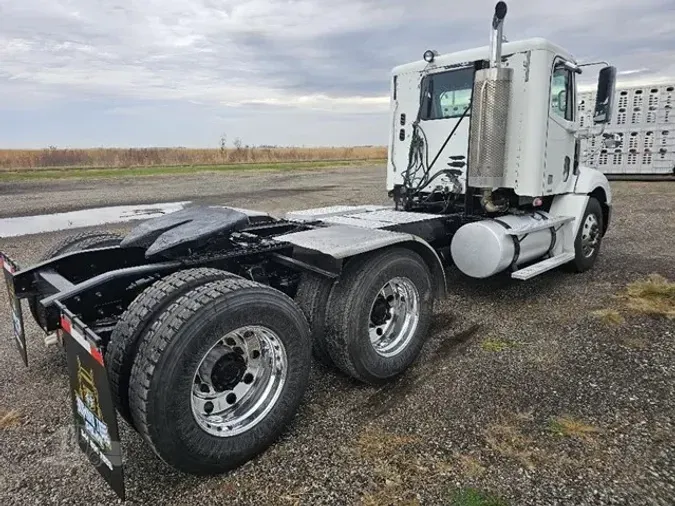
(490, 110)
(496, 35)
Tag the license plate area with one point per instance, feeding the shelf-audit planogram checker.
(9, 268)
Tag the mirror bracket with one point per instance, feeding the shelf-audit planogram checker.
(570, 66)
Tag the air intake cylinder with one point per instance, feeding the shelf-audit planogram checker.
(490, 114)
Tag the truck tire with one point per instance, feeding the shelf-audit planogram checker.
(588, 239)
(379, 314)
(83, 241)
(220, 374)
(77, 242)
(312, 297)
(135, 321)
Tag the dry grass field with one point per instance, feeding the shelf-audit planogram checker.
(12, 159)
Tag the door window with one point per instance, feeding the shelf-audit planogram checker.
(562, 93)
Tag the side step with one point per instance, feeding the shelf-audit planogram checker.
(543, 266)
(541, 225)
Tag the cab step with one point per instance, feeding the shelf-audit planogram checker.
(543, 266)
(541, 225)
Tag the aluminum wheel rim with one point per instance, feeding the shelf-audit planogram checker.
(238, 381)
(394, 315)
(590, 235)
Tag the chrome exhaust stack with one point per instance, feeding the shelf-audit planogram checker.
(490, 106)
(497, 35)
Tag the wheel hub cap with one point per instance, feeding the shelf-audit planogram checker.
(228, 371)
(381, 312)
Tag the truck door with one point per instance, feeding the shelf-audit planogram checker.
(560, 174)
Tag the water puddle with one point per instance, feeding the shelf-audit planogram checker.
(28, 225)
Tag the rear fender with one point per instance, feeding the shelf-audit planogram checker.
(433, 261)
(343, 242)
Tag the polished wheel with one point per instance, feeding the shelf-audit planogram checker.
(239, 380)
(394, 316)
(590, 235)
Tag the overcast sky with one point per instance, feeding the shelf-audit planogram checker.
(303, 72)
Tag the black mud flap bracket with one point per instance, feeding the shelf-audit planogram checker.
(94, 415)
(9, 268)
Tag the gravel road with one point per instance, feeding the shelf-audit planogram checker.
(521, 392)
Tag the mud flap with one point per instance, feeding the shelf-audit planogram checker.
(9, 268)
(94, 412)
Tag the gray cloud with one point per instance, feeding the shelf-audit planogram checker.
(322, 55)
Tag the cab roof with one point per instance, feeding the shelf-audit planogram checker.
(483, 53)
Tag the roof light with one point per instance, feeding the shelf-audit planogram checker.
(430, 55)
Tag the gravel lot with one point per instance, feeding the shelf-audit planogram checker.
(269, 190)
(520, 392)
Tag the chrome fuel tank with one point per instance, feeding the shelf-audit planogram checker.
(484, 248)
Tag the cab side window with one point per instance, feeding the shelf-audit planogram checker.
(446, 94)
(562, 93)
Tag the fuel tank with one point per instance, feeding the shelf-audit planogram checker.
(484, 248)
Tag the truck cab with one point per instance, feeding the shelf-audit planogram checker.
(540, 131)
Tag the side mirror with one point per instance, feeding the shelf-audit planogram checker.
(604, 98)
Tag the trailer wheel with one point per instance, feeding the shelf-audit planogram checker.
(312, 297)
(220, 374)
(589, 237)
(379, 313)
(77, 242)
(135, 321)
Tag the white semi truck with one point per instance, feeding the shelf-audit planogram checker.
(198, 327)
